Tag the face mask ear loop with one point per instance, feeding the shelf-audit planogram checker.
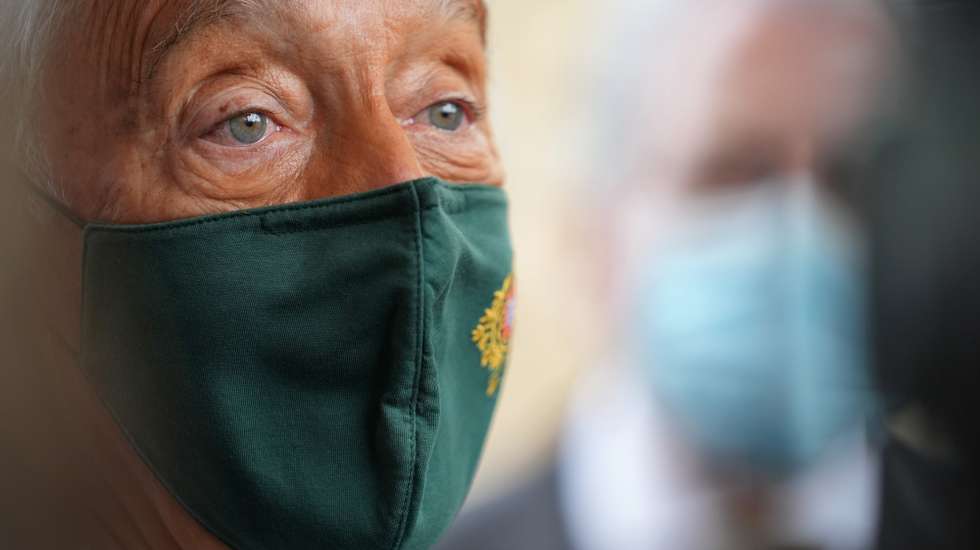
(52, 202)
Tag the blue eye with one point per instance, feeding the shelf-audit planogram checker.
(248, 128)
(448, 116)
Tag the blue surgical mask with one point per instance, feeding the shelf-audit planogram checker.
(751, 327)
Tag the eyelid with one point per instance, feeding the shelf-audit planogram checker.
(249, 110)
(273, 128)
(225, 106)
(473, 109)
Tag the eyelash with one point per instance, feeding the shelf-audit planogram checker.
(246, 111)
(221, 134)
(474, 111)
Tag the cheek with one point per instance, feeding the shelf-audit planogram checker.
(469, 156)
(241, 176)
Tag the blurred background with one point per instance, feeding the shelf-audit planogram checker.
(689, 369)
(539, 94)
(539, 100)
(813, 165)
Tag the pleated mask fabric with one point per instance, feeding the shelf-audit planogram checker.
(318, 375)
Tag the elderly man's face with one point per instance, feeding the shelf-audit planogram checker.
(163, 109)
(769, 95)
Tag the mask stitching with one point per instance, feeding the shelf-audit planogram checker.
(179, 225)
(456, 209)
(166, 226)
(452, 209)
(325, 226)
(266, 226)
(403, 511)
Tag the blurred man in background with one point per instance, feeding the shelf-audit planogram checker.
(732, 410)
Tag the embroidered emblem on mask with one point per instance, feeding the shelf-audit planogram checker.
(492, 334)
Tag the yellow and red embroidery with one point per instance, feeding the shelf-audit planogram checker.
(492, 334)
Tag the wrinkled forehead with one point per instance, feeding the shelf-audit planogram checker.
(190, 13)
(130, 37)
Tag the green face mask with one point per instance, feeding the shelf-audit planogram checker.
(308, 376)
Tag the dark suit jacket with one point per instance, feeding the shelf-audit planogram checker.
(528, 518)
(925, 230)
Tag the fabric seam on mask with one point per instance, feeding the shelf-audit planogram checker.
(418, 359)
(314, 227)
(167, 226)
(180, 225)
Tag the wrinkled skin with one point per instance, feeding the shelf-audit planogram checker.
(143, 124)
(136, 120)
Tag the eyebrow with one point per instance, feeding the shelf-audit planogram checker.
(200, 13)
(470, 10)
(205, 12)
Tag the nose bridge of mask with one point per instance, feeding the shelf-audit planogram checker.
(818, 271)
(303, 375)
(464, 262)
(827, 293)
(823, 296)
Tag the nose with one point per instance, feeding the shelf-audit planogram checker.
(369, 149)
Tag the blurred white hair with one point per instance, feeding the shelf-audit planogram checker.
(647, 47)
(26, 29)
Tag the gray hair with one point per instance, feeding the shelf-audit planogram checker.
(26, 29)
(645, 48)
